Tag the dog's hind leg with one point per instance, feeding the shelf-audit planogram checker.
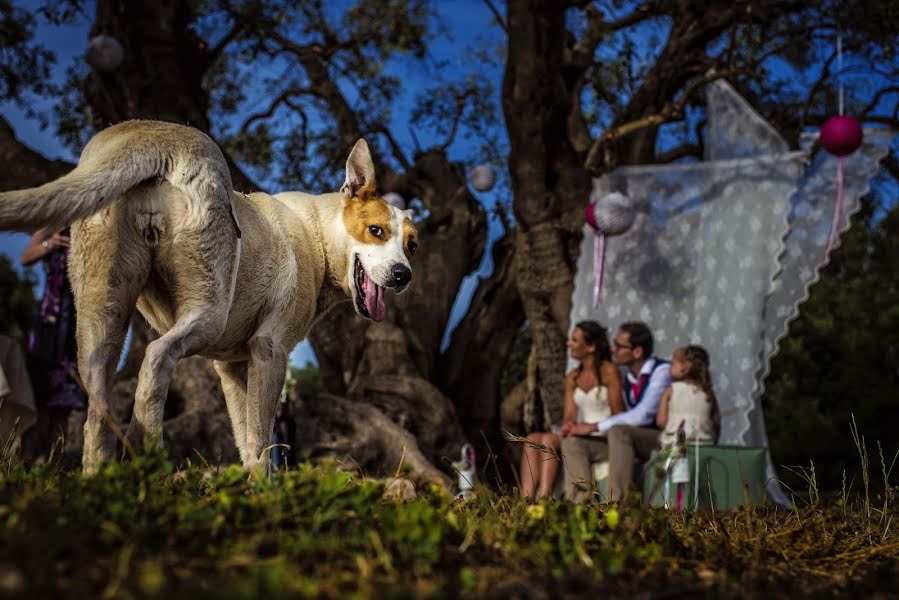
(190, 334)
(265, 380)
(107, 270)
(234, 384)
(201, 265)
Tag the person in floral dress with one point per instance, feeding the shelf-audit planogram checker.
(51, 351)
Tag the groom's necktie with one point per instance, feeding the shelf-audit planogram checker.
(637, 387)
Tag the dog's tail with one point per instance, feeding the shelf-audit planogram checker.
(116, 160)
(76, 195)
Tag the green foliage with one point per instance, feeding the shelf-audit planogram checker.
(387, 26)
(17, 301)
(143, 529)
(24, 64)
(253, 146)
(307, 379)
(226, 87)
(840, 357)
(74, 124)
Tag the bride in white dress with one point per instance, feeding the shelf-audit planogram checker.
(592, 393)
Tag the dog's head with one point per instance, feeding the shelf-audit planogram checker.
(382, 238)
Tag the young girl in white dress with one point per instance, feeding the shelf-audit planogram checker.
(592, 393)
(689, 400)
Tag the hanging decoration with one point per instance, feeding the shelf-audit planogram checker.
(104, 53)
(483, 178)
(394, 199)
(612, 214)
(466, 467)
(841, 135)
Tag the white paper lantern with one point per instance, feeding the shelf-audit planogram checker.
(613, 214)
(394, 199)
(483, 178)
(104, 53)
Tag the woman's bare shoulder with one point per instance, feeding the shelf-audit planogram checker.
(608, 368)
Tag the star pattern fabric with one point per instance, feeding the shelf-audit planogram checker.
(697, 264)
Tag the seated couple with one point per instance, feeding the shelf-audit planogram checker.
(610, 419)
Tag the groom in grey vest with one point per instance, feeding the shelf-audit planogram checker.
(628, 435)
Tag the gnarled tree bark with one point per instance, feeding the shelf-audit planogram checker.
(548, 185)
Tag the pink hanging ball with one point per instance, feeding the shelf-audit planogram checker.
(612, 214)
(841, 135)
(590, 216)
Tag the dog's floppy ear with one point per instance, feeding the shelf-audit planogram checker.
(360, 173)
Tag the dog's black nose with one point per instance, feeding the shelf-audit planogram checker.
(401, 274)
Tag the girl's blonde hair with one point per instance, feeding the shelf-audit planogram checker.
(698, 358)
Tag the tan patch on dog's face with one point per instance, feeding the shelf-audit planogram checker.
(361, 216)
(410, 241)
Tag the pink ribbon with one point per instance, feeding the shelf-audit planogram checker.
(836, 222)
(598, 258)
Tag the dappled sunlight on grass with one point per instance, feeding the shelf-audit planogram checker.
(141, 528)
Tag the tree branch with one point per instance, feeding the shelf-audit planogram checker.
(500, 211)
(460, 109)
(578, 132)
(283, 98)
(312, 58)
(216, 51)
(682, 151)
(671, 111)
(496, 15)
(816, 87)
(892, 121)
(31, 168)
(397, 151)
(684, 58)
(598, 28)
(639, 14)
(875, 100)
(891, 164)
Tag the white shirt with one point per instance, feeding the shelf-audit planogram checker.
(689, 405)
(645, 412)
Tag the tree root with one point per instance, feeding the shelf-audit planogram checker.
(334, 426)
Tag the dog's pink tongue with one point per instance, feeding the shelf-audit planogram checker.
(374, 300)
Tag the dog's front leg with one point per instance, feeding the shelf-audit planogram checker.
(265, 380)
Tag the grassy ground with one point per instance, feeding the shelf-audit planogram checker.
(143, 529)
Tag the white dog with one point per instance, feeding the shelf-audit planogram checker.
(236, 278)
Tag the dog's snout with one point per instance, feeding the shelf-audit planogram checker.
(401, 274)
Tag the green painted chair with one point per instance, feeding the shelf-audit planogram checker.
(728, 476)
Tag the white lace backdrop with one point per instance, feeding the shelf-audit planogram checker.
(722, 251)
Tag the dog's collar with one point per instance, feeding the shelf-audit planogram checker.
(234, 215)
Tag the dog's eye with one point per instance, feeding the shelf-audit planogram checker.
(412, 247)
(376, 231)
